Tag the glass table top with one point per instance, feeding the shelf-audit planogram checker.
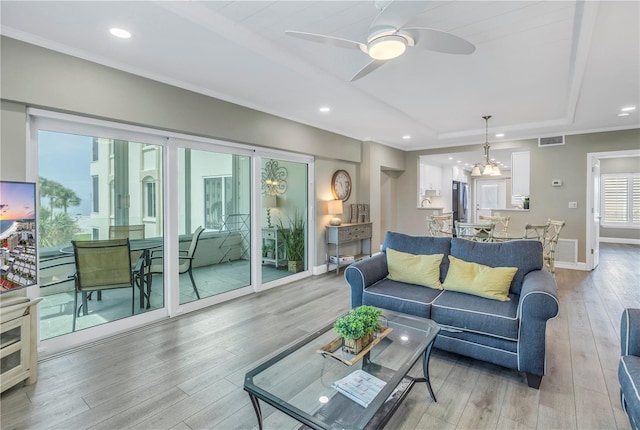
(299, 380)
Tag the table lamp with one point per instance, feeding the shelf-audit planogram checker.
(334, 207)
(269, 201)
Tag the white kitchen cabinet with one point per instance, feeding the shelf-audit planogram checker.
(430, 179)
(520, 171)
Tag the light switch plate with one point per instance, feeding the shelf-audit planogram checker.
(573, 205)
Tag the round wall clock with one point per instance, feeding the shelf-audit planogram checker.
(341, 185)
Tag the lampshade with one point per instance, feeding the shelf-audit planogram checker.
(334, 207)
(269, 201)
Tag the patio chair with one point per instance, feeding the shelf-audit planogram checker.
(185, 260)
(475, 232)
(130, 232)
(103, 265)
(440, 225)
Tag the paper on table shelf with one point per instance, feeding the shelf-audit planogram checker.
(360, 386)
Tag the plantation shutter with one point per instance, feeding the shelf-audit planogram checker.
(635, 199)
(615, 196)
(621, 199)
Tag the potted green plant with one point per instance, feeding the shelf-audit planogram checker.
(293, 239)
(268, 249)
(358, 327)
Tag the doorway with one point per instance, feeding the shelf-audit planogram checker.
(593, 202)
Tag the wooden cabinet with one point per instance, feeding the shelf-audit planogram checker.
(273, 247)
(18, 342)
(338, 237)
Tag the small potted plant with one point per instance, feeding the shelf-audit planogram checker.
(358, 327)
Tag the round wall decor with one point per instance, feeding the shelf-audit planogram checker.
(341, 185)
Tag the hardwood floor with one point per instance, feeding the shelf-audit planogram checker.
(188, 373)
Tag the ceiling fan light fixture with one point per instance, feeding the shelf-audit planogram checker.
(387, 47)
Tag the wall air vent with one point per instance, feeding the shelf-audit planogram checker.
(551, 141)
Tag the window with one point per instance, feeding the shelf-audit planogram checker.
(95, 195)
(94, 150)
(217, 201)
(621, 200)
(150, 199)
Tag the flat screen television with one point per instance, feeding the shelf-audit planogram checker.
(18, 229)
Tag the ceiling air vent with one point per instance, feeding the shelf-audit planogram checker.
(551, 141)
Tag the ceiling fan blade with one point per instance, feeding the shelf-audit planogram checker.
(368, 69)
(328, 40)
(440, 41)
(396, 14)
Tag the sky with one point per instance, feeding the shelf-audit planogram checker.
(17, 200)
(65, 158)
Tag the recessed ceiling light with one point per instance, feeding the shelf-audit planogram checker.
(406, 137)
(623, 114)
(628, 109)
(500, 135)
(325, 109)
(450, 158)
(459, 161)
(121, 33)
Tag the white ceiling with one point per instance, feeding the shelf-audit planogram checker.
(541, 68)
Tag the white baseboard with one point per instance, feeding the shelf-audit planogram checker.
(572, 266)
(624, 240)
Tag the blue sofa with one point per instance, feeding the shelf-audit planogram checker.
(507, 333)
(629, 366)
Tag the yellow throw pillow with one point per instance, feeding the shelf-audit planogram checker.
(478, 279)
(415, 269)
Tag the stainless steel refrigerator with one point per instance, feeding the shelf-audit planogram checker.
(460, 201)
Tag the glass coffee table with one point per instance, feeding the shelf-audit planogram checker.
(303, 383)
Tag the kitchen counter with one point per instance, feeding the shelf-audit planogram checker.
(509, 210)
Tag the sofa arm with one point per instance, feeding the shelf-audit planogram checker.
(363, 274)
(539, 296)
(630, 332)
(538, 303)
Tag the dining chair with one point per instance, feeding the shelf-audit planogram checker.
(185, 258)
(103, 265)
(501, 230)
(477, 232)
(440, 225)
(548, 234)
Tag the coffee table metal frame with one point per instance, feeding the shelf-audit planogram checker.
(380, 410)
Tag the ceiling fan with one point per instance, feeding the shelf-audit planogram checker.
(388, 39)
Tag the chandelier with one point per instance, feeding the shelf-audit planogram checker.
(488, 168)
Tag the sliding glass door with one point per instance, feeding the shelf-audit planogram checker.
(206, 221)
(94, 188)
(213, 223)
(284, 201)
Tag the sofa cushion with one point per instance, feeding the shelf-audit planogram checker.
(629, 378)
(476, 314)
(526, 255)
(420, 245)
(400, 297)
(415, 269)
(478, 279)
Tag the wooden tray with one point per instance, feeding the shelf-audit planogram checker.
(329, 349)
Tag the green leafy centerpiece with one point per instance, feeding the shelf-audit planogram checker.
(358, 327)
